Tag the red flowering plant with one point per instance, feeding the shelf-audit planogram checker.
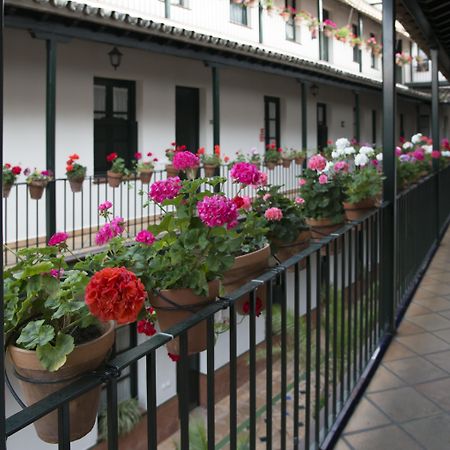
(273, 154)
(117, 164)
(74, 170)
(10, 174)
(210, 159)
(141, 164)
(173, 149)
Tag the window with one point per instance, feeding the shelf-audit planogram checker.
(324, 41)
(238, 13)
(373, 58)
(272, 120)
(423, 63)
(292, 34)
(374, 126)
(356, 50)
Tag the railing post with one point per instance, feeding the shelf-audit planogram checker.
(50, 136)
(435, 128)
(389, 241)
(2, 343)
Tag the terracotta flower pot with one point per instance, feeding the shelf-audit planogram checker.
(114, 179)
(287, 250)
(210, 170)
(323, 227)
(270, 165)
(285, 16)
(37, 383)
(76, 184)
(174, 306)
(171, 171)
(6, 189)
(36, 189)
(299, 160)
(145, 176)
(356, 211)
(246, 268)
(328, 33)
(286, 162)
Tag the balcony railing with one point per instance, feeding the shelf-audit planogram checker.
(323, 326)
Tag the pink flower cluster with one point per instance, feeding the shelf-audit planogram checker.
(110, 230)
(105, 206)
(165, 189)
(58, 238)
(185, 160)
(247, 173)
(317, 162)
(273, 214)
(419, 155)
(217, 210)
(341, 166)
(299, 200)
(323, 179)
(435, 154)
(301, 182)
(145, 237)
(55, 273)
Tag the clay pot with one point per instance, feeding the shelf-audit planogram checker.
(246, 268)
(286, 162)
(36, 189)
(76, 184)
(328, 33)
(114, 179)
(287, 250)
(210, 170)
(299, 160)
(356, 211)
(323, 227)
(185, 304)
(285, 16)
(270, 165)
(6, 190)
(171, 171)
(37, 383)
(145, 176)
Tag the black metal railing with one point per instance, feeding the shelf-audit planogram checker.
(25, 223)
(321, 329)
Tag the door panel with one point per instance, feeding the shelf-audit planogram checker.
(187, 117)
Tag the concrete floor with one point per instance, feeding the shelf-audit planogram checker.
(407, 404)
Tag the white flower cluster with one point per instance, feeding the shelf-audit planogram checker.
(445, 153)
(415, 139)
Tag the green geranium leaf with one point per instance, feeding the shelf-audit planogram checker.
(35, 334)
(36, 269)
(53, 357)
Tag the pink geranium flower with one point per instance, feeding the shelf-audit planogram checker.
(217, 211)
(165, 189)
(323, 179)
(301, 182)
(58, 238)
(185, 161)
(273, 214)
(110, 230)
(317, 162)
(341, 166)
(105, 206)
(435, 154)
(245, 173)
(299, 200)
(145, 237)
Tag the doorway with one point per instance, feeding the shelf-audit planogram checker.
(322, 127)
(187, 117)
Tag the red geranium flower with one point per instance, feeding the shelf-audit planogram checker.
(238, 201)
(138, 155)
(201, 151)
(146, 327)
(217, 150)
(69, 168)
(111, 157)
(74, 156)
(8, 166)
(258, 307)
(16, 170)
(115, 293)
(174, 357)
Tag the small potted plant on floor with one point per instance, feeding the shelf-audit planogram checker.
(117, 171)
(145, 168)
(75, 173)
(37, 182)
(272, 156)
(211, 162)
(9, 177)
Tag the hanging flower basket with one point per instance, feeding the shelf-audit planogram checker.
(6, 189)
(171, 171)
(37, 383)
(114, 179)
(210, 170)
(145, 176)
(37, 188)
(270, 165)
(76, 184)
(286, 162)
(299, 160)
(356, 211)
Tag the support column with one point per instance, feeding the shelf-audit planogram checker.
(320, 17)
(216, 104)
(304, 117)
(357, 118)
(167, 9)
(435, 128)
(389, 214)
(360, 34)
(50, 136)
(260, 22)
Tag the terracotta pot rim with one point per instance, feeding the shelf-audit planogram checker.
(297, 242)
(323, 222)
(114, 174)
(38, 183)
(367, 203)
(155, 294)
(146, 171)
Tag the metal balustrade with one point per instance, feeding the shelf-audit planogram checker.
(323, 331)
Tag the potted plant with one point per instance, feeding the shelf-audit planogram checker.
(322, 196)
(9, 177)
(299, 156)
(270, 6)
(355, 41)
(287, 229)
(170, 153)
(117, 171)
(300, 16)
(255, 158)
(328, 27)
(251, 3)
(37, 181)
(145, 168)
(402, 58)
(75, 173)
(313, 25)
(287, 157)
(342, 34)
(59, 325)
(373, 45)
(210, 161)
(286, 13)
(272, 156)
(186, 162)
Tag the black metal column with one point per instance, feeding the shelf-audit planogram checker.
(50, 136)
(167, 8)
(216, 104)
(304, 117)
(435, 127)
(260, 22)
(389, 242)
(2, 343)
(357, 118)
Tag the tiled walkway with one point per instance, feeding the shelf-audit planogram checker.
(407, 404)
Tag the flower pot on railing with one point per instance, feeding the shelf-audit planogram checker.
(299, 160)
(356, 211)
(246, 268)
(174, 306)
(37, 383)
(145, 176)
(284, 250)
(37, 188)
(114, 179)
(270, 165)
(6, 189)
(323, 227)
(328, 32)
(286, 162)
(171, 171)
(285, 16)
(210, 170)
(76, 184)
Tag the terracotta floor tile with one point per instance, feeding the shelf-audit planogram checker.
(415, 309)
(441, 359)
(424, 343)
(438, 391)
(430, 322)
(415, 370)
(383, 380)
(433, 432)
(434, 303)
(366, 416)
(397, 351)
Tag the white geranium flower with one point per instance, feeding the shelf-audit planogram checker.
(416, 138)
(380, 156)
(407, 145)
(334, 154)
(349, 150)
(428, 148)
(340, 151)
(445, 153)
(366, 150)
(329, 166)
(361, 159)
(341, 143)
